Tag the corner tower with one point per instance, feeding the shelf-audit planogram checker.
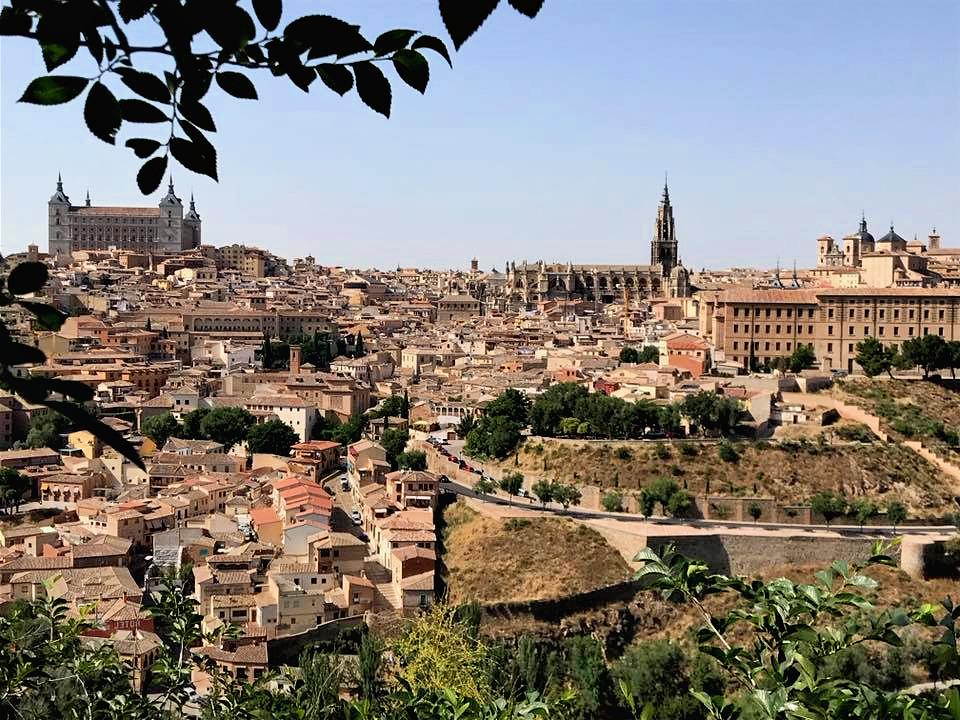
(663, 247)
(58, 232)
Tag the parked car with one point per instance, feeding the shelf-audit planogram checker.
(355, 516)
(344, 483)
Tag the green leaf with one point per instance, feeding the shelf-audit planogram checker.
(143, 147)
(430, 42)
(151, 173)
(530, 8)
(862, 581)
(85, 421)
(145, 84)
(462, 19)
(194, 156)
(27, 277)
(53, 89)
(101, 112)
(197, 113)
(268, 12)
(325, 35)
(392, 40)
(237, 84)
(48, 317)
(413, 69)
(336, 77)
(139, 111)
(373, 87)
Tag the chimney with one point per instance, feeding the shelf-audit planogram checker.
(294, 359)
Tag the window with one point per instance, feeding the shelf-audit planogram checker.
(896, 314)
(850, 314)
(850, 347)
(866, 312)
(926, 314)
(910, 313)
(777, 346)
(882, 313)
(830, 313)
(882, 328)
(788, 346)
(768, 312)
(809, 329)
(910, 331)
(852, 331)
(779, 311)
(766, 329)
(829, 347)
(896, 330)
(939, 313)
(940, 332)
(735, 345)
(736, 328)
(829, 329)
(790, 312)
(778, 329)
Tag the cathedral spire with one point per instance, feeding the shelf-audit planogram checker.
(666, 189)
(88, 197)
(59, 182)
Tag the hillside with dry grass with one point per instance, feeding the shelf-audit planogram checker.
(911, 410)
(790, 471)
(495, 560)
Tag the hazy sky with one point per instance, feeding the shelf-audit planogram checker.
(777, 121)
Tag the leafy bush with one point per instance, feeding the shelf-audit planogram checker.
(689, 449)
(728, 453)
(857, 432)
(623, 453)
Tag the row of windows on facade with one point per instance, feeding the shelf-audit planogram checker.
(881, 330)
(780, 312)
(766, 344)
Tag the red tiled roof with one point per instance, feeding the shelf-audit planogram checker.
(118, 211)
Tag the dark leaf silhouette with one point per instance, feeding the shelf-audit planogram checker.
(194, 156)
(48, 317)
(237, 84)
(197, 113)
(85, 421)
(325, 35)
(151, 173)
(268, 12)
(336, 77)
(139, 111)
(412, 68)
(373, 87)
(20, 354)
(432, 43)
(27, 277)
(530, 8)
(102, 113)
(145, 84)
(463, 19)
(143, 147)
(392, 40)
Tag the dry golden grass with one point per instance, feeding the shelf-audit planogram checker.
(495, 560)
(879, 471)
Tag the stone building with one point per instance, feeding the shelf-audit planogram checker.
(530, 283)
(756, 326)
(164, 229)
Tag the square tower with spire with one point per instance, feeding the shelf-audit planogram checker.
(663, 247)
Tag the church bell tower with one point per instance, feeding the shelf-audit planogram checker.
(663, 247)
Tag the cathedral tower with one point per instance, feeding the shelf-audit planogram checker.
(663, 247)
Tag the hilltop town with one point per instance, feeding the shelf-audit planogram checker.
(306, 429)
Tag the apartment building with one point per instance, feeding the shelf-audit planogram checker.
(761, 325)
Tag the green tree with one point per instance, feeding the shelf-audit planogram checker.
(494, 436)
(511, 483)
(405, 406)
(484, 486)
(660, 674)
(191, 424)
(928, 352)
(227, 425)
(629, 355)
(13, 486)
(874, 358)
(391, 406)
(567, 495)
(466, 424)
(358, 349)
(802, 358)
(829, 505)
(728, 452)
(47, 430)
(589, 678)
(661, 490)
(160, 428)
(648, 502)
(863, 510)
(679, 503)
(370, 666)
(510, 404)
(266, 353)
(273, 437)
(543, 490)
(754, 511)
(412, 460)
(612, 501)
(394, 441)
(648, 354)
(896, 513)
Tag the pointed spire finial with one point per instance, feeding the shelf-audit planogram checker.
(170, 186)
(88, 197)
(59, 182)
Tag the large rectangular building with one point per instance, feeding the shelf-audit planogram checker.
(164, 229)
(757, 326)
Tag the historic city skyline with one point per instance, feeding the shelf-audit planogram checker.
(768, 150)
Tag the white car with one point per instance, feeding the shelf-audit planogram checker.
(355, 516)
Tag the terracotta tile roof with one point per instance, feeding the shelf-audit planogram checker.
(116, 211)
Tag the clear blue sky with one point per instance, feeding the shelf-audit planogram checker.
(778, 122)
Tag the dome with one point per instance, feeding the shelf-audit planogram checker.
(864, 234)
(892, 238)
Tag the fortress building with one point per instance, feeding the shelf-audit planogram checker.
(527, 284)
(164, 229)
